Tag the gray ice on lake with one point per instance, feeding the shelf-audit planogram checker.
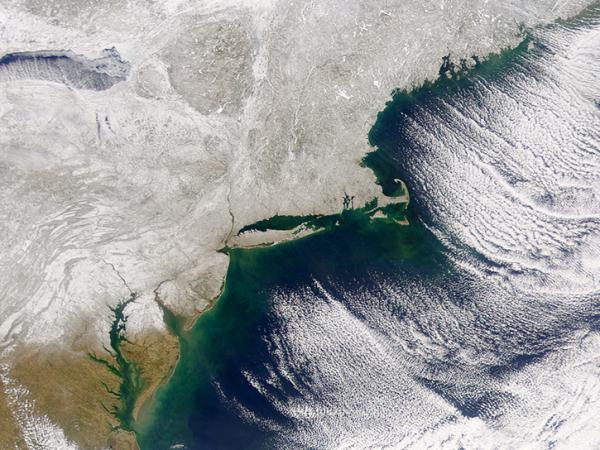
(66, 67)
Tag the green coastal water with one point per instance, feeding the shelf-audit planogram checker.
(196, 408)
(225, 339)
(191, 411)
(384, 136)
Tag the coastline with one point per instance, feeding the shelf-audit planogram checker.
(274, 231)
(393, 211)
(227, 334)
(79, 396)
(293, 229)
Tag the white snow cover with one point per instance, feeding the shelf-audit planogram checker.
(132, 183)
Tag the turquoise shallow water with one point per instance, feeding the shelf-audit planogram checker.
(232, 328)
(368, 330)
(192, 410)
(228, 338)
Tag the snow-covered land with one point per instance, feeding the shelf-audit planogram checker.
(136, 137)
